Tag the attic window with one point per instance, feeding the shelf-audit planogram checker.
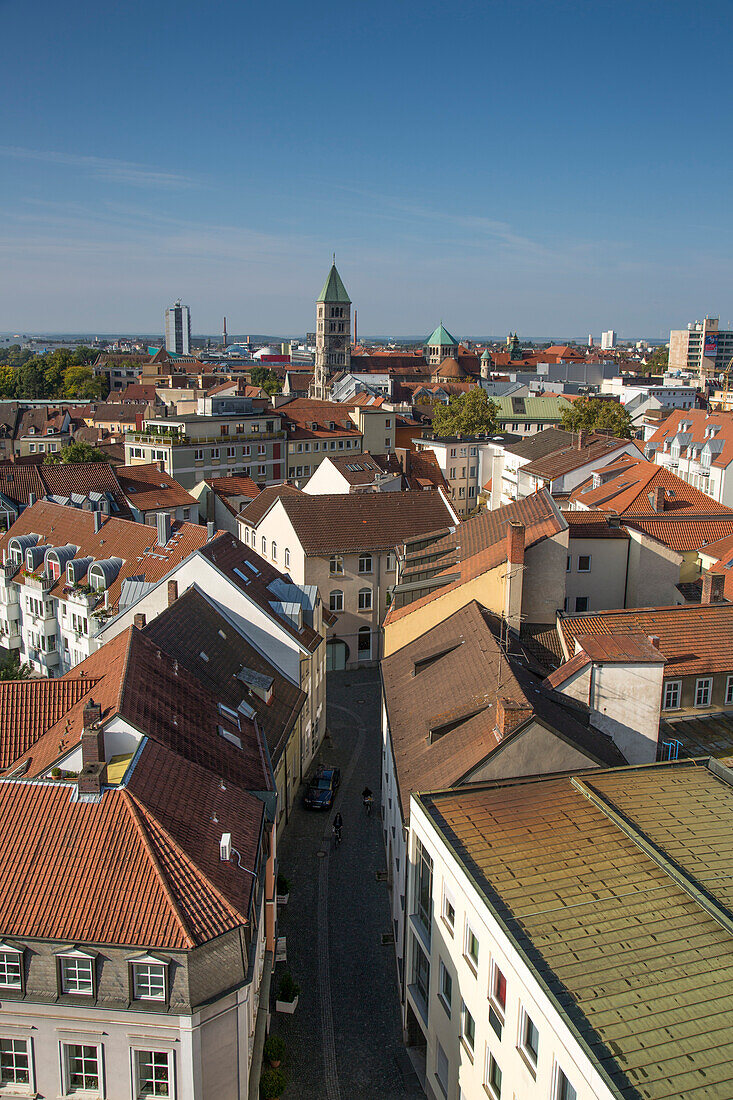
(448, 727)
(430, 658)
(203, 656)
(231, 737)
(229, 713)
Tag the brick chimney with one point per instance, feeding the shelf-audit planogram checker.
(94, 768)
(713, 585)
(172, 592)
(654, 639)
(659, 495)
(139, 620)
(582, 438)
(510, 714)
(515, 543)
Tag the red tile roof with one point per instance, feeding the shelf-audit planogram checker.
(30, 707)
(682, 534)
(303, 411)
(695, 639)
(147, 488)
(18, 481)
(594, 525)
(563, 461)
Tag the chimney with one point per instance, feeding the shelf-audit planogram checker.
(97, 521)
(172, 592)
(210, 529)
(713, 585)
(654, 639)
(139, 620)
(510, 714)
(659, 494)
(92, 738)
(582, 438)
(91, 778)
(163, 523)
(515, 544)
(31, 499)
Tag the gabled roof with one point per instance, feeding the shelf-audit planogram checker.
(194, 632)
(19, 480)
(475, 546)
(700, 420)
(695, 639)
(333, 289)
(613, 886)
(440, 337)
(339, 523)
(147, 487)
(574, 456)
(150, 880)
(546, 442)
(441, 692)
(629, 485)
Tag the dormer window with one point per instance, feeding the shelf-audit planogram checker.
(149, 979)
(76, 973)
(11, 967)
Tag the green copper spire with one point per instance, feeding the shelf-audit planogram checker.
(333, 289)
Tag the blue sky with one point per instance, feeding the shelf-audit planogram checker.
(551, 167)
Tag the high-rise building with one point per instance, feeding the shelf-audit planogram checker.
(333, 333)
(590, 339)
(178, 329)
(703, 347)
(608, 340)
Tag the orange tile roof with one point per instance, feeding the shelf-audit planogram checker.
(682, 534)
(695, 639)
(135, 543)
(628, 483)
(30, 707)
(700, 419)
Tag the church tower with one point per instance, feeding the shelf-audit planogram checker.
(333, 334)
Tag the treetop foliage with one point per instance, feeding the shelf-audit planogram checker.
(64, 373)
(594, 414)
(470, 414)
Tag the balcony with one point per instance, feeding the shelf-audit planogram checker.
(46, 660)
(10, 612)
(39, 581)
(82, 596)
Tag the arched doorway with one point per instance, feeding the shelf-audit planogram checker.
(337, 654)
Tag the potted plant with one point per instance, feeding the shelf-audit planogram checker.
(272, 1084)
(283, 889)
(287, 1000)
(274, 1050)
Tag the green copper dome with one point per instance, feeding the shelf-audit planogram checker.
(441, 338)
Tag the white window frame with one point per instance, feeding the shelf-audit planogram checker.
(336, 592)
(580, 558)
(466, 1011)
(273, 551)
(7, 950)
(364, 595)
(729, 691)
(499, 1008)
(444, 972)
(76, 957)
(558, 1075)
(149, 963)
(18, 1088)
(700, 681)
(287, 558)
(390, 563)
(473, 963)
(526, 1051)
(336, 565)
(677, 686)
(66, 1089)
(135, 1053)
(364, 558)
(491, 1091)
(448, 899)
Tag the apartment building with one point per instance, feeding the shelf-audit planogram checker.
(227, 435)
(283, 621)
(43, 431)
(528, 415)
(459, 459)
(344, 547)
(702, 348)
(221, 499)
(534, 961)
(462, 703)
(67, 571)
(150, 491)
(316, 429)
(92, 486)
(698, 447)
(138, 942)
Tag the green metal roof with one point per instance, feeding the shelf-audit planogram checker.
(441, 338)
(333, 289)
(486, 354)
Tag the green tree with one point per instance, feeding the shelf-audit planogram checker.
(12, 669)
(75, 453)
(32, 379)
(266, 379)
(78, 381)
(8, 381)
(595, 415)
(657, 362)
(471, 414)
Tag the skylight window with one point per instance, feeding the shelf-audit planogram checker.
(253, 568)
(229, 713)
(231, 737)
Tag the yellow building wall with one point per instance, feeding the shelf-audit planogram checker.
(487, 589)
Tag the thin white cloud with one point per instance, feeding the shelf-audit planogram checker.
(104, 168)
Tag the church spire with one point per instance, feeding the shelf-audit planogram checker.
(333, 333)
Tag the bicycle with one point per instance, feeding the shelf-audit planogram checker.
(368, 801)
(337, 834)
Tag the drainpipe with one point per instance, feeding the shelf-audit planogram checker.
(263, 1015)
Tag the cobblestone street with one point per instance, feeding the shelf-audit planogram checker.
(344, 1039)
